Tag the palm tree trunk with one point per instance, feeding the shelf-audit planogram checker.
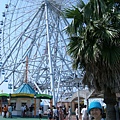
(110, 101)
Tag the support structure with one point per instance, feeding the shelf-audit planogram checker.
(35, 106)
(38, 33)
(78, 102)
(49, 53)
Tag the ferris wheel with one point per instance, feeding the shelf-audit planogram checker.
(33, 45)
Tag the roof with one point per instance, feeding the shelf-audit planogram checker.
(25, 88)
(43, 96)
(4, 95)
(22, 95)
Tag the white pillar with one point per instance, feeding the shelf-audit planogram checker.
(78, 102)
(49, 53)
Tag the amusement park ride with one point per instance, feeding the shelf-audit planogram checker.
(33, 41)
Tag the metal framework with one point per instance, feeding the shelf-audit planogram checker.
(36, 30)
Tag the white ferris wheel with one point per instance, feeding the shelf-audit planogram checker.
(33, 46)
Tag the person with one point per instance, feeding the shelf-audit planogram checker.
(57, 113)
(64, 111)
(5, 109)
(84, 113)
(31, 108)
(10, 111)
(117, 111)
(50, 113)
(54, 110)
(95, 110)
(40, 113)
(22, 111)
(76, 113)
(61, 114)
(69, 113)
(26, 111)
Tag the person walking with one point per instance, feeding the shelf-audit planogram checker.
(10, 111)
(64, 111)
(50, 113)
(54, 112)
(22, 111)
(76, 113)
(31, 110)
(69, 113)
(61, 114)
(57, 113)
(95, 110)
(5, 109)
(84, 113)
(40, 113)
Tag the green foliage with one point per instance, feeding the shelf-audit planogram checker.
(95, 42)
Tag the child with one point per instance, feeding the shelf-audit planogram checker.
(95, 110)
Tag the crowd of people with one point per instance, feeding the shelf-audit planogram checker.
(27, 111)
(92, 112)
(59, 113)
(7, 109)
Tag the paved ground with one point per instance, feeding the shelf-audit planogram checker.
(15, 118)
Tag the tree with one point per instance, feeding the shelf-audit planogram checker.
(95, 46)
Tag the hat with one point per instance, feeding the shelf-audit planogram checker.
(94, 105)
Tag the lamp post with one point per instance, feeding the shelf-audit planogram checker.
(34, 105)
(78, 102)
(78, 82)
(9, 99)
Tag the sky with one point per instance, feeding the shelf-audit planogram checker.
(2, 7)
(4, 86)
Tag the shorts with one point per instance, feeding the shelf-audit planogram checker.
(40, 116)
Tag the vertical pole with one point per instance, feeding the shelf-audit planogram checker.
(34, 106)
(78, 103)
(26, 70)
(9, 100)
(13, 82)
(51, 103)
(1, 106)
(49, 53)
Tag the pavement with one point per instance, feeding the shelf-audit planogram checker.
(18, 118)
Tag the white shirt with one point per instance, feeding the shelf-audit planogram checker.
(84, 112)
(10, 108)
(76, 111)
(40, 111)
(22, 108)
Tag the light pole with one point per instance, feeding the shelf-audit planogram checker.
(78, 102)
(34, 105)
(9, 99)
(79, 83)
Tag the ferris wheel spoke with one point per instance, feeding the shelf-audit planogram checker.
(35, 29)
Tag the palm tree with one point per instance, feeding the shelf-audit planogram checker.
(95, 46)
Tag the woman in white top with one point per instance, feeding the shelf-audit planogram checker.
(84, 113)
(95, 110)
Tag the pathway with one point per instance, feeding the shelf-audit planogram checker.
(15, 118)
